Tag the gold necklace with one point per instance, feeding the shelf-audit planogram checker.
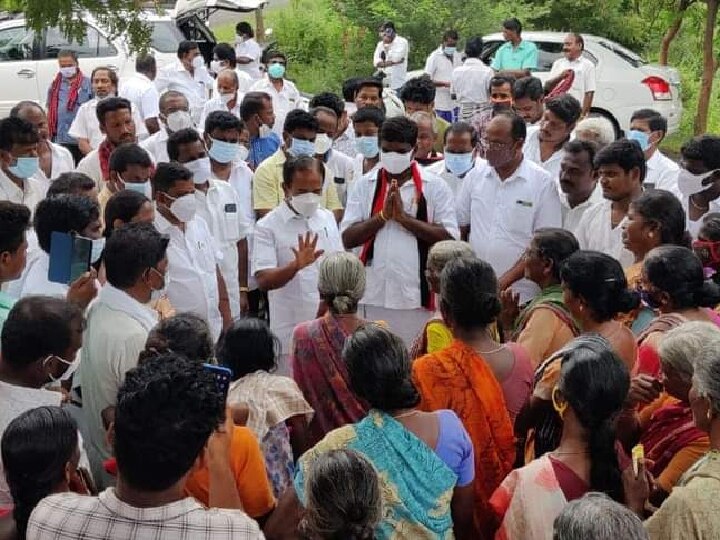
(406, 414)
(698, 207)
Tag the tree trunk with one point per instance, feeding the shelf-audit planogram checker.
(710, 66)
(259, 25)
(672, 31)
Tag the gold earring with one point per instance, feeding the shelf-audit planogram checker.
(559, 407)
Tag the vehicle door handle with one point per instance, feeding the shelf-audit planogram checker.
(26, 73)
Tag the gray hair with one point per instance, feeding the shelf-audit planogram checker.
(706, 378)
(422, 116)
(446, 250)
(682, 346)
(342, 491)
(341, 282)
(230, 73)
(597, 517)
(601, 128)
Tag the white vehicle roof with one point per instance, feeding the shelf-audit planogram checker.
(183, 7)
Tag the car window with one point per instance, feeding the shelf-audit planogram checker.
(16, 44)
(93, 45)
(548, 52)
(165, 36)
(489, 50)
(626, 54)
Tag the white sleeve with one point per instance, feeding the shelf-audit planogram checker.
(555, 70)
(582, 230)
(150, 103)
(162, 81)
(264, 255)
(444, 209)
(376, 54)
(549, 210)
(430, 65)
(79, 128)
(356, 209)
(463, 200)
(590, 82)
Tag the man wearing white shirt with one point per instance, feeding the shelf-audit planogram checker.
(366, 124)
(117, 327)
(247, 51)
(470, 82)
(194, 280)
(584, 84)
(54, 159)
(228, 98)
(699, 179)
(528, 97)
(284, 94)
(621, 171)
(544, 143)
(188, 76)
(344, 138)
(174, 116)
(578, 182)
(391, 55)
(288, 243)
(224, 58)
(439, 66)
(394, 216)
(648, 128)
(21, 181)
(142, 92)
(339, 165)
(501, 205)
(459, 156)
(217, 202)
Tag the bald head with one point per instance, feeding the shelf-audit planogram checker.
(227, 81)
(172, 101)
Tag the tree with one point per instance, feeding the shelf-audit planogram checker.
(673, 29)
(710, 67)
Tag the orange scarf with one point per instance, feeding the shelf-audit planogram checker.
(458, 378)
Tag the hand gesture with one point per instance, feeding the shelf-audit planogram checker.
(306, 254)
(398, 211)
(510, 309)
(82, 290)
(637, 488)
(389, 206)
(643, 389)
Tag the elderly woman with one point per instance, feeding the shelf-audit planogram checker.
(424, 153)
(343, 498)
(317, 363)
(424, 459)
(690, 512)
(665, 427)
(436, 335)
(595, 129)
(597, 517)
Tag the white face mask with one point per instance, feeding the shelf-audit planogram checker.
(179, 120)
(227, 98)
(689, 183)
(98, 244)
(198, 62)
(306, 204)
(323, 143)
(184, 208)
(201, 170)
(243, 153)
(395, 162)
(216, 66)
(68, 72)
(157, 294)
(264, 131)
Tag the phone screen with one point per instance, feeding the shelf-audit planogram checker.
(69, 257)
(223, 377)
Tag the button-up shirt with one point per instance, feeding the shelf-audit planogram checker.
(284, 101)
(470, 82)
(398, 49)
(143, 94)
(241, 178)
(156, 145)
(64, 117)
(345, 142)
(192, 270)
(33, 191)
(342, 170)
(87, 126)
(216, 104)
(90, 165)
(503, 215)
(524, 56)
(68, 515)
(249, 49)
(62, 162)
(276, 235)
(193, 87)
(393, 277)
(440, 68)
(453, 181)
(572, 216)
(262, 148)
(584, 80)
(596, 232)
(531, 150)
(662, 173)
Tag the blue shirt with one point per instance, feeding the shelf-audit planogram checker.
(524, 56)
(65, 117)
(262, 148)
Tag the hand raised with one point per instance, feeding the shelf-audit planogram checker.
(306, 254)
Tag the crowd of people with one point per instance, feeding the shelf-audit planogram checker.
(453, 306)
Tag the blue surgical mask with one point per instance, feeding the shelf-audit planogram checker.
(300, 147)
(144, 188)
(276, 71)
(367, 146)
(458, 163)
(223, 152)
(98, 245)
(25, 167)
(450, 51)
(641, 137)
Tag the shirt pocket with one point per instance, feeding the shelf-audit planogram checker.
(519, 216)
(230, 223)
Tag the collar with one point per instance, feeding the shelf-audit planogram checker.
(287, 213)
(142, 77)
(521, 173)
(10, 187)
(163, 225)
(473, 62)
(121, 301)
(655, 160)
(595, 197)
(172, 511)
(180, 67)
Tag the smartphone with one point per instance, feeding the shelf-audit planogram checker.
(223, 377)
(69, 257)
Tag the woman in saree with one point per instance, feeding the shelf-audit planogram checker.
(424, 460)
(665, 426)
(476, 377)
(544, 325)
(654, 219)
(592, 388)
(673, 283)
(690, 512)
(317, 363)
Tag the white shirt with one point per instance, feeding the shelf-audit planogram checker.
(595, 232)
(284, 101)
(193, 87)
(531, 150)
(395, 51)
(440, 68)
(90, 165)
(221, 209)
(245, 81)
(156, 145)
(87, 126)
(241, 181)
(342, 171)
(393, 276)
(454, 182)
(33, 191)
(249, 49)
(216, 104)
(276, 235)
(584, 75)
(470, 82)
(143, 94)
(503, 215)
(345, 142)
(662, 173)
(36, 281)
(191, 277)
(693, 227)
(62, 162)
(572, 216)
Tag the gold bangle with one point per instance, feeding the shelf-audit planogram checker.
(382, 215)
(244, 289)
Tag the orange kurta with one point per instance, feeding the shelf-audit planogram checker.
(458, 378)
